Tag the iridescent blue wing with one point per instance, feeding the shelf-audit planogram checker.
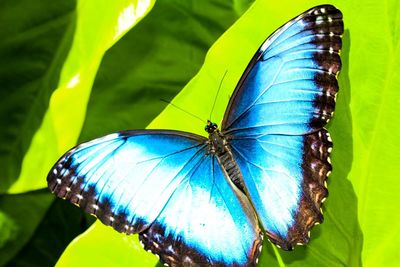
(290, 84)
(284, 176)
(162, 185)
(275, 122)
(207, 221)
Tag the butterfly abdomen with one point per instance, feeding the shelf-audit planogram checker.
(232, 169)
(219, 146)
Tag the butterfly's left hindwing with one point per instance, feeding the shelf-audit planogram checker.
(206, 222)
(163, 185)
(285, 179)
(275, 118)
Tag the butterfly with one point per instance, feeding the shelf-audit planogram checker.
(197, 201)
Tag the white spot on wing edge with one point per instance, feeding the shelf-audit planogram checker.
(301, 22)
(141, 243)
(328, 137)
(58, 181)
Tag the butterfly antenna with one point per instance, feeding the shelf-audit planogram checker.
(187, 112)
(216, 96)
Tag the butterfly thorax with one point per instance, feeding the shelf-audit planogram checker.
(218, 145)
(217, 142)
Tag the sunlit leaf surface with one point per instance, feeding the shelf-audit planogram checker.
(33, 49)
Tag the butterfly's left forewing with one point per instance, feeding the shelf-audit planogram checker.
(163, 185)
(275, 118)
(290, 84)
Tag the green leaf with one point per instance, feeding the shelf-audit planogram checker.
(33, 47)
(99, 24)
(154, 61)
(58, 227)
(373, 125)
(20, 214)
(103, 246)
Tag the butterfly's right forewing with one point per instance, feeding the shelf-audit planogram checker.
(125, 178)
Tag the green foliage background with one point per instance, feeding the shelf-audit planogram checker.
(71, 71)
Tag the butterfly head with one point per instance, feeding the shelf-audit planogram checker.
(211, 127)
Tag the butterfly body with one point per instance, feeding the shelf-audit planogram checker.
(197, 201)
(219, 146)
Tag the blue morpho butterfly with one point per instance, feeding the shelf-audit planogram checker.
(197, 201)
